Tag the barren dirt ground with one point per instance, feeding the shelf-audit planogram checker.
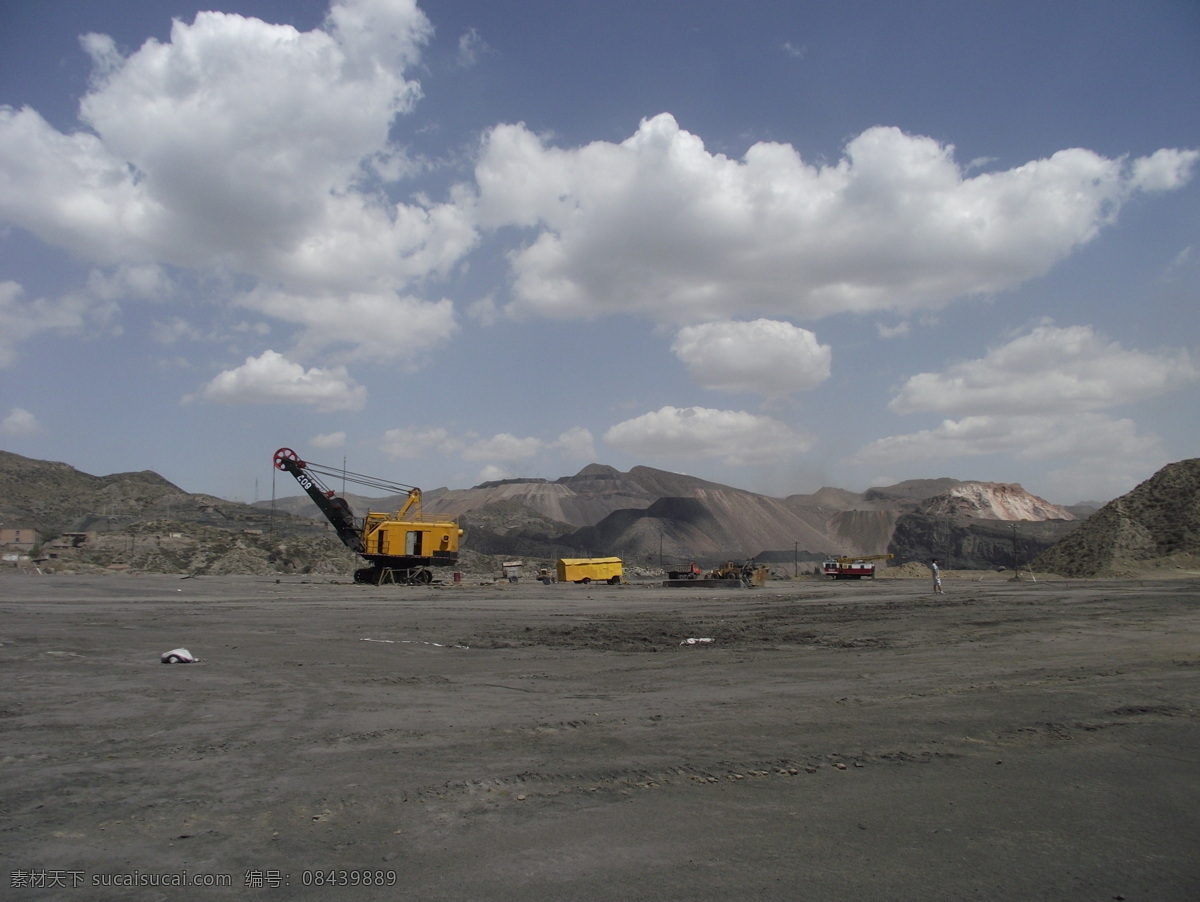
(835, 741)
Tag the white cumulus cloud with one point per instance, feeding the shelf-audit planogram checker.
(1163, 170)
(1041, 397)
(328, 440)
(376, 325)
(19, 424)
(1032, 437)
(658, 225)
(1100, 455)
(146, 282)
(471, 46)
(73, 313)
(249, 148)
(503, 446)
(271, 378)
(765, 356)
(577, 443)
(499, 449)
(410, 443)
(1050, 370)
(494, 473)
(691, 433)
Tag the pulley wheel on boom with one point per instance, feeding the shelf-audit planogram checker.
(286, 454)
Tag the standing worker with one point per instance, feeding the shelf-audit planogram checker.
(937, 576)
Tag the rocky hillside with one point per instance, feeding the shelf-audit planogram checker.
(55, 498)
(980, 526)
(141, 521)
(993, 501)
(60, 497)
(201, 551)
(1156, 522)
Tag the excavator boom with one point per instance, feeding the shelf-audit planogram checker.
(335, 509)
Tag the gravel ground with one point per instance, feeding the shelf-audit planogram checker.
(834, 741)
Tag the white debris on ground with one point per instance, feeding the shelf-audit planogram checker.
(415, 642)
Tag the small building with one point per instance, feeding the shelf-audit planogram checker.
(22, 538)
(72, 539)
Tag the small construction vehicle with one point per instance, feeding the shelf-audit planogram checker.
(588, 570)
(399, 547)
(692, 571)
(729, 575)
(852, 567)
(749, 573)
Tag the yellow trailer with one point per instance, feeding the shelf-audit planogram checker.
(590, 570)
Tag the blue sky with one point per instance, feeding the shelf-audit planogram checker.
(773, 245)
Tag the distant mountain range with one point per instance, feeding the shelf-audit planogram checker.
(140, 521)
(646, 516)
(650, 516)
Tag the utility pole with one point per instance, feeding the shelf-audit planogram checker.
(795, 560)
(1016, 560)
